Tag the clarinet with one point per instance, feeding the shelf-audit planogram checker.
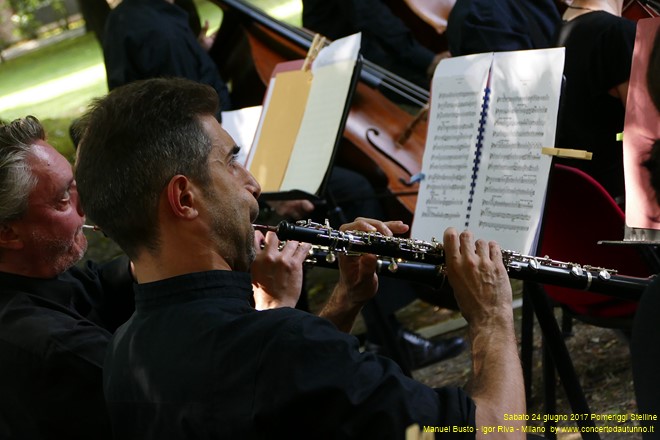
(423, 261)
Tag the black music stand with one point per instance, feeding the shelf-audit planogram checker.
(554, 351)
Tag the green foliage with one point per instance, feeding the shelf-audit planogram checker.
(26, 21)
(27, 25)
(27, 5)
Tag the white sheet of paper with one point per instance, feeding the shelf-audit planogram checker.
(507, 180)
(522, 119)
(312, 152)
(242, 126)
(456, 99)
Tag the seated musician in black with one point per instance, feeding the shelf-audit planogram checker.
(196, 359)
(56, 314)
(151, 38)
(599, 46)
(386, 40)
(478, 26)
(56, 318)
(353, 194)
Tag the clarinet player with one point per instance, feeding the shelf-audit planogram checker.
(197, 360)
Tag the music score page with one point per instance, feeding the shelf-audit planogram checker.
(490, 116)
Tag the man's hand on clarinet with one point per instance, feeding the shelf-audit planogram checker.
(277, 271)
(358, 274)
(478, 277)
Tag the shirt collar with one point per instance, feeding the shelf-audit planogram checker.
(192, 286)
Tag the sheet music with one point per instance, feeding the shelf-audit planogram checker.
(521, 119)
(457, 94)
(332, 71)
(241, 125)
(486, 172)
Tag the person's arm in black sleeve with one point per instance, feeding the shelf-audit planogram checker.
(480, 282)
(378, 21)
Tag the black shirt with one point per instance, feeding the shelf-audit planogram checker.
(478, 26)
(152, 38)
(197, 361)
(599, 48)
(386, 40)
(53, 338)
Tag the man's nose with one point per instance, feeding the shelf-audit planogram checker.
(253, 185)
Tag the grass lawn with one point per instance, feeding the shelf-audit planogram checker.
(57, 82)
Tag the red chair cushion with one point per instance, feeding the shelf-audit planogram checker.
(578, 214)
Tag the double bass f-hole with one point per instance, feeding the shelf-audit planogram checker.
(421, 116)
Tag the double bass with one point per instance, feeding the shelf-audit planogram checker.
(381, 140)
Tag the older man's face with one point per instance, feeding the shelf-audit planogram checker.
(51, 228)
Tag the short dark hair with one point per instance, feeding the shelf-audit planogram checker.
(134, 140)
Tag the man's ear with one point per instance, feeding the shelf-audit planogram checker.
(9, 238)
(182, 197)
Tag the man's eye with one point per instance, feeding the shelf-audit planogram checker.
(66, 197)
(234, 159)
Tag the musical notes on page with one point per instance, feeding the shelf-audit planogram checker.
(456, 105)
(524, 100)
(491, 114)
